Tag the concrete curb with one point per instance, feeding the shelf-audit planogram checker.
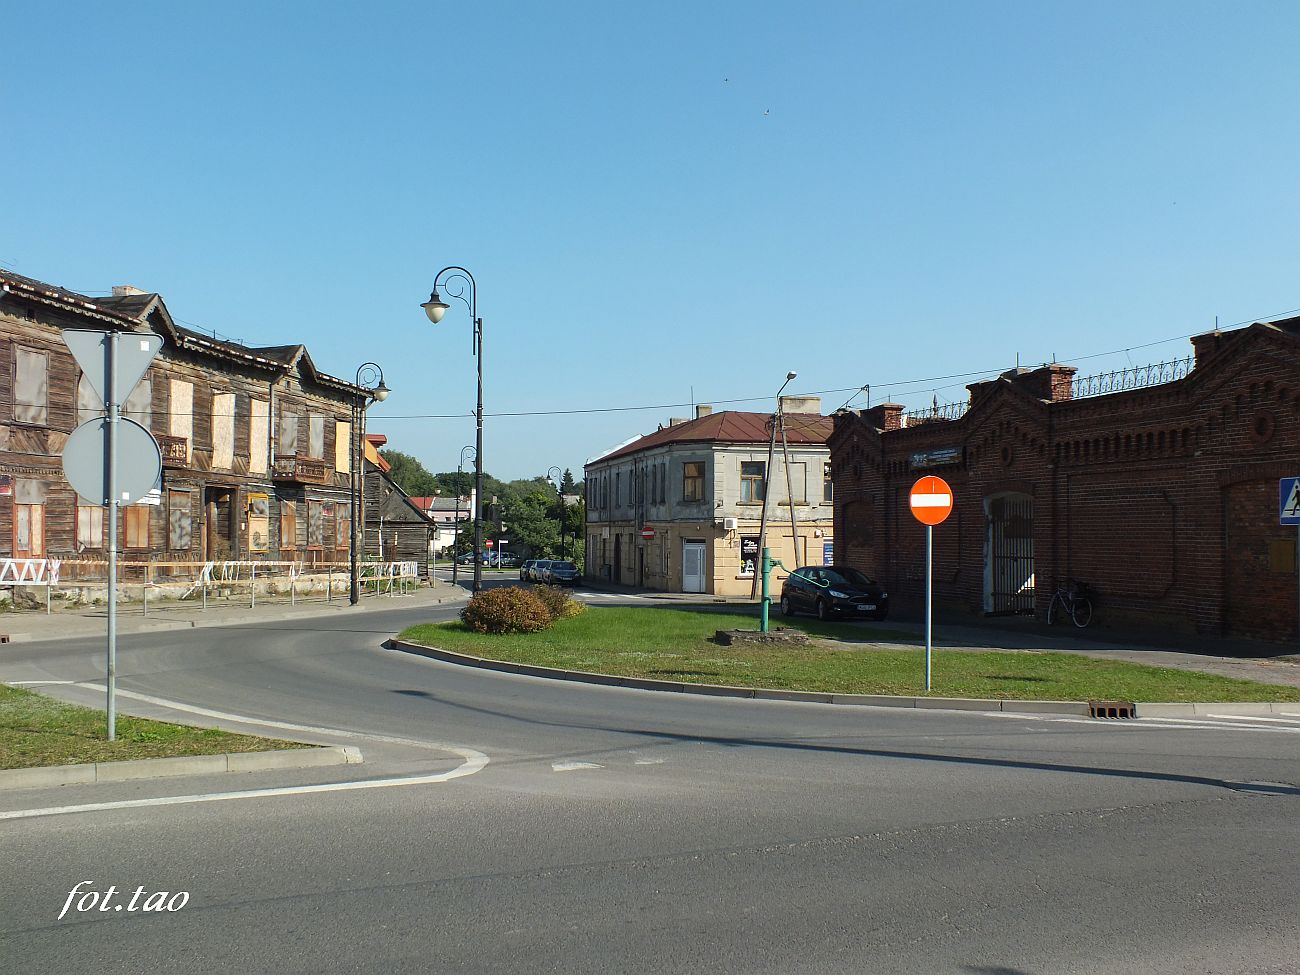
(1239, 709)
(153, 768)
(752, 693)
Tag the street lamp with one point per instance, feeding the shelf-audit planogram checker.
(370, 389)
(767, 474)
(435, 308)
(460, 466)
(559, 493)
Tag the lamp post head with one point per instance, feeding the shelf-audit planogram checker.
(380, 392)
(435, 307)
(790, 375)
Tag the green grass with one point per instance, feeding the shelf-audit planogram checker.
(36, 730)
(672, 644)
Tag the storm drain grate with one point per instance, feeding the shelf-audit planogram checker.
(4, 637)
(1112, 709)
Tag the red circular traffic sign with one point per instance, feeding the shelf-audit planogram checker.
(489, 543)
(647, 533)
(931, 500)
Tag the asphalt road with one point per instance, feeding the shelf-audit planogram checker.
(504, 824)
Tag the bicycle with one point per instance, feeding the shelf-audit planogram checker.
(1074, 599)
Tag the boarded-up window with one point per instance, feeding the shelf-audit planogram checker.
(287, 443)
(29, 531)
(259, 522)
(31, 386)
(316, 437)
(343, 446)
(180, 517)
(315, 524)
(343, 527)
(288, 525)
(139, 405)
(90, 526)
(223, 431)
(89, 405)
(259, 427)
(180, 420)
(135, 522)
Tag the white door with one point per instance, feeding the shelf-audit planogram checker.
(692, 567)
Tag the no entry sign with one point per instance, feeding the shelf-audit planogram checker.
(647, 533)
(931, 500)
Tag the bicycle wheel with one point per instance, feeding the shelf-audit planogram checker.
(1051, 608)
(1081, 611)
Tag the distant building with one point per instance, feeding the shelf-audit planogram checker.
(447, 515)
(396, 529)
(697, 487)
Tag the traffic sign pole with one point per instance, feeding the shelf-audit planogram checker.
(929, 576)
(110, 400)
(931, 502)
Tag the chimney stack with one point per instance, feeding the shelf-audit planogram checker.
(702, 410)
(801, 404)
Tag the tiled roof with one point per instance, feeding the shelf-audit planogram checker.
(732, 427)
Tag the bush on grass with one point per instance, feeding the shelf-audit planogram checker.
(559, 603)
(506, 610)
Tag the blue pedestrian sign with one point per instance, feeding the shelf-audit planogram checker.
(1289, 501)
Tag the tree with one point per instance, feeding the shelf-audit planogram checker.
(409, 474)
(566, 485)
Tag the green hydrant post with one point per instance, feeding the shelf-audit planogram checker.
(767, 564)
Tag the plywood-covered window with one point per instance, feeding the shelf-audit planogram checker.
(180, 417)
(259, 522)
(343, 446)
(316, 437)
(287, 442)
(315, 524)
(89, 405)
(90, 526)
(135, 526)
(180, 520)
(29, 522)
(343, 527)
(259, 429)
(288, 525)
(223, 431)
(139, 405)
(31, 386)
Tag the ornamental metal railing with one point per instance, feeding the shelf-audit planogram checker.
(933, 413)
(1136, 377)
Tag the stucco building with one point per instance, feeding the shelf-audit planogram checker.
(697, 488)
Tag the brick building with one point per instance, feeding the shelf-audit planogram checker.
(1157, 487)
(255, 441)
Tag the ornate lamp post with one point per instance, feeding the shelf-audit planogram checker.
(457, 280)
(559, 493)
(370, 380)
(460, 466)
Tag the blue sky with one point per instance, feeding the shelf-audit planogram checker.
(662, 201)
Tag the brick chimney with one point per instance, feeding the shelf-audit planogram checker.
(885, 416)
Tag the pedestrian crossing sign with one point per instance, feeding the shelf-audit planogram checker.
(1289, 500)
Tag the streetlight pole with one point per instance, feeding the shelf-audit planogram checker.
(767, 474)
(559, 493)
(458, 278)
(460, 466)
(370, 389)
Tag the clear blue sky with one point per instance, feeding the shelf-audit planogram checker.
(661, 200)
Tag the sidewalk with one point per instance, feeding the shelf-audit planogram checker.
(28, 626)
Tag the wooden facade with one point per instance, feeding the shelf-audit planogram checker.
(255, 441)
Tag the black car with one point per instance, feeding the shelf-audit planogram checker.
(832, 592)
(562, 573)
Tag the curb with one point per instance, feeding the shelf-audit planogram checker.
(1077, 708)
(153, 768)
(753, 693)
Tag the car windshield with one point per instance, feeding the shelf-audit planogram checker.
(846, 577)
(565, 565)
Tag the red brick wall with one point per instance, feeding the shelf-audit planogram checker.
(1163, 499)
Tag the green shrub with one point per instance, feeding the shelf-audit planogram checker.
(506, 610)
(558, 602)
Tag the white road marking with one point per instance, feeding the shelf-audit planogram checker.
(649, 761)
(475, 761)
(572, 766)
(1253, 717)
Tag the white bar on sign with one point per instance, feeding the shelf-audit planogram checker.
(931, 500)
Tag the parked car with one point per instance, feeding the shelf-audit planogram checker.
(832, 592)
(466, 559)
(562, 573)
(526, 569)
(538, 573)
(505, 561)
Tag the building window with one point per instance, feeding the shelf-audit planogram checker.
(316, 437)
(259, 431)
(259, 522)
(135, 526)
(181, 415)
(693, 480)
(288, 441)
(751, 480)
(29, 531)
(139, 405)
(343, 446)
(663, 483)
(343, 527)
(89, 405)
(288, 526)
(315, 524)
(223, 431)
(90, 526)
(828, 489)
(618, 490)
(31, 386)
(180, 521)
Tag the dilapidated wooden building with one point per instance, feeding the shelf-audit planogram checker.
(256, 442)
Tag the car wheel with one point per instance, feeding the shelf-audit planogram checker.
(786, 608)
(880, 616)
(823, 610)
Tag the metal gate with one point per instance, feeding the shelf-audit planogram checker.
(1011, 555)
